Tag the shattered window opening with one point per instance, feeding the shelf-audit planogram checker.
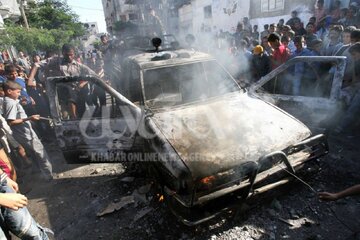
(85, 100)
(178, 85)
(314, 80)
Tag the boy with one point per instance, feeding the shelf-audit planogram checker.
(22, 131)
(12, 75)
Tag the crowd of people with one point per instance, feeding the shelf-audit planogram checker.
(24, 124)
(326, 33)
(249, 54)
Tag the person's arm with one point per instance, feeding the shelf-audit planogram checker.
(13, 200)
(326, 196)
(22, 120)
(33, 72)
(9, 181)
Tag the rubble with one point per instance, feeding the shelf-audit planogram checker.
(112, 207)
(127, 179)
(140, 214)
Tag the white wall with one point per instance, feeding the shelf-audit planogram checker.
(228, 22)
(219, 19)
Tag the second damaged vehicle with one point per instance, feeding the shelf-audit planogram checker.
(186, 119)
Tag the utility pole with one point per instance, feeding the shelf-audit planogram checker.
(23, 14)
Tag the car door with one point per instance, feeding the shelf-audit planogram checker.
(316, 102)
(92, 121)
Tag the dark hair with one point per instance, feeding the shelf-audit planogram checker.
(310, 23)
(67, 47)
(10, 68)
(355, 35)
(103, 36)
(349, 29)
(273, 37)
(298, 39)
(284, 39)
(355, 48)
(338, 28)
(12, 85)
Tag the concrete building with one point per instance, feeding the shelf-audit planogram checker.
(9, 9)
(92, 35)
(139, 11)
(118, 10)
(91, 28)
(214, 15)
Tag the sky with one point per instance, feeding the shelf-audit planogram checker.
(89, 11)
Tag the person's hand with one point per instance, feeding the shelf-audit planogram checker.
(13, 200)
(32, 101)
(23, 101)
(326, 196)
(82, 84)
(35, 117)
(12, 184)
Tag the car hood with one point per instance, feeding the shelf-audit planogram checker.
(220, 134)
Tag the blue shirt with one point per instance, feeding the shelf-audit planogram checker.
(300, 67)
(23, 93)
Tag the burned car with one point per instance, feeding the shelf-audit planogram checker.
(182, 116)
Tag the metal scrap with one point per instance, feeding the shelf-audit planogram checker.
(112, 207)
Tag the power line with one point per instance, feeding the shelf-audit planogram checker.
(93, 9)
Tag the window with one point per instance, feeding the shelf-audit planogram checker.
(312, 79)
(133, 16)
(169, 86)
(207, 12)
(272, 5)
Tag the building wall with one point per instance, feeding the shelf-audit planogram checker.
(304, 8)
(91, 28)
(9, 9)
(224, 15)
(186, 19)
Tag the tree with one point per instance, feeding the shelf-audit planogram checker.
(52, 24)
(34, 39)
(54, 14)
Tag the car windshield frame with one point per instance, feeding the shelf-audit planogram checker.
(171, 99)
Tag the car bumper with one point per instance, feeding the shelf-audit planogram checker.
(205, 207)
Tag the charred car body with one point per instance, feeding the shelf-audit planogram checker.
(187, 120)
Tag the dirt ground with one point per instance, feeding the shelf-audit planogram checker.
(70, 205)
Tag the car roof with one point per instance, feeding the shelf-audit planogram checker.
(147, 60)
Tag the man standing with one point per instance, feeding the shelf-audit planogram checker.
(303, 79)
(106, 55)
(24, 62)
(280, 53)
(260, 63)
(65, 66)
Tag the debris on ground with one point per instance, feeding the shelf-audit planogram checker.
(140, 215)
(112, 207)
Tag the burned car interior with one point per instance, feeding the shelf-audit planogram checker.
(207, 138)
(186, 83)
